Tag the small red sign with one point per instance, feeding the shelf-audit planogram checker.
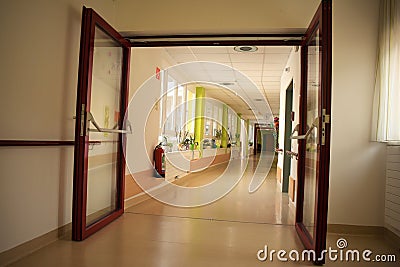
(158, 71)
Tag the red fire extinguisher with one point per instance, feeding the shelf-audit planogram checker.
(159, 160)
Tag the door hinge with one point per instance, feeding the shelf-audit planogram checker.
(83, 113)
(325, 120)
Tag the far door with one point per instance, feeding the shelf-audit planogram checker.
(314, 139)
(99, 166)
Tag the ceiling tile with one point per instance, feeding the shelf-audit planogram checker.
(179, 58)
(276, 58)
(208, 50)
(246, 57)
(247, 66)
(271, 79)
(274, 66)
(178, 50)
(278, 49)
(213, 57)
(277, 73)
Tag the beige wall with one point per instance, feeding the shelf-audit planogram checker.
(357, 178)
(39, 65)
(294, 74)
(357, 165)
(210, 16)
(144, 62)
(39, 76)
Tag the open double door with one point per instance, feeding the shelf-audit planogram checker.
(102, 98)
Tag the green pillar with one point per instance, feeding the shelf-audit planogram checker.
(199, 115)
(247, 124)
(238, 128)
(224, 137)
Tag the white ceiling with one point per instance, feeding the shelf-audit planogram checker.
(264, 67)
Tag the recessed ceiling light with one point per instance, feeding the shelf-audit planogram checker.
(245, 48)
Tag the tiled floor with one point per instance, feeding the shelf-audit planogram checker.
(228, 232)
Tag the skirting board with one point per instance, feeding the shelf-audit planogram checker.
(389, 235)
(355, 229)
(9, 256)
(143, 196)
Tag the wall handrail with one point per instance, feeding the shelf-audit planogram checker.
(10, 143)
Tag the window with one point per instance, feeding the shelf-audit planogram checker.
(385, 127)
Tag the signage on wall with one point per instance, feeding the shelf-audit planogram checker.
(158, 71)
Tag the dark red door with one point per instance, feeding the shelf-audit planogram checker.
(102, 98)
(314, 139)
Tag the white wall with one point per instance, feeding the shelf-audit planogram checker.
(392, 197)
(39, 66)
(357, 165)
(39, 75)
(144, 62)
(357, 184)
(293, 74)
(210, 16)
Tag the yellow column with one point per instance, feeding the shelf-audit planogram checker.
(246, 140)
(224, 136)
(191, 106)
(238, 128)
(199, 115)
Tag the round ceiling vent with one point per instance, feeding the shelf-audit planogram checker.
(246, 48)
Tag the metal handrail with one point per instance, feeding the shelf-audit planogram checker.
(292, 154)
(105, 130)
(304, 136)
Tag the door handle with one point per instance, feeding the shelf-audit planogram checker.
(292, 154)
(91, 119)
(304, 136)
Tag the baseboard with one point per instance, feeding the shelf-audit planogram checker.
(143, 196)
(136, 199)
(355, 229)
(9, 256)
(392, 237)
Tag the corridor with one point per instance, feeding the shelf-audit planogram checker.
(228, 232)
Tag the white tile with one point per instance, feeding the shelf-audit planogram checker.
(180, 58)
(248, 66)
(210, 49)
(213, 57)
(252, 58)
(178, 50)
(278, 49)
(276, 58)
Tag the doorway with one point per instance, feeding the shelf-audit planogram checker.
(287, 160)
(316, 52)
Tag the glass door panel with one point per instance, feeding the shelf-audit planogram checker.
(104, 108)
(99, 166)
(311, 155)
(314, 132)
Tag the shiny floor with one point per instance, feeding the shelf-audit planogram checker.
(228, 232)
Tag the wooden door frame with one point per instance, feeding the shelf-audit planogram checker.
(91, 20)
(322, 184)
